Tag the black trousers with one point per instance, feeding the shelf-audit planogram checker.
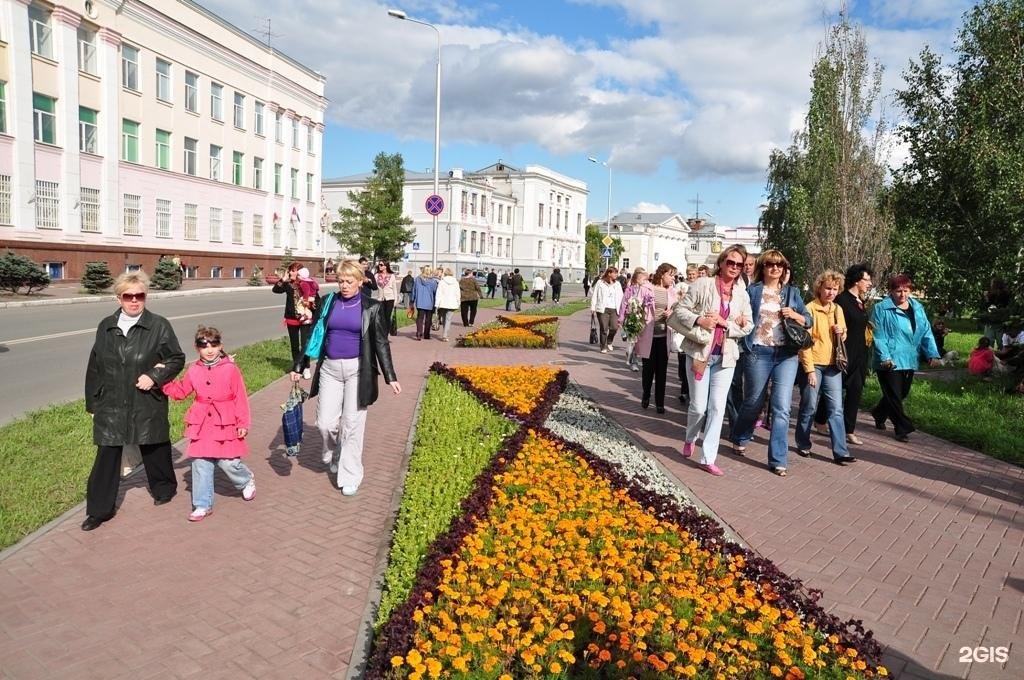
(490, 291)
(105, 478)
(298, 336)
(468, 310)
(389, 309)
(424, 317)
(556, 292)
(895, 388)
(655, 369)
(735, 399)
(853, 388)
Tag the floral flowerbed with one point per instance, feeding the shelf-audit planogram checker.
(562, 566)
(530, 332)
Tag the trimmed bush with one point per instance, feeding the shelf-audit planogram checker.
(18, 272)
(97, 278)
(167, 275)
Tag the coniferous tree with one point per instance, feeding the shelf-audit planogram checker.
(96, 277)
(374, 226)
(167, 275)
(18, 271)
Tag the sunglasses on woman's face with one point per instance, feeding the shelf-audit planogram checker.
(203, 343)
(133, 297)
(772, 265)
(733, 263)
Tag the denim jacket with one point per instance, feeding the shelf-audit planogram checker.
(893, 338)
(790, 298)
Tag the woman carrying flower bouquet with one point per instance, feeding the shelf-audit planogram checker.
(633, 313)
(654, 340)
(721, 308)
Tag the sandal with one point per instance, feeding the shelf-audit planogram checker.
(780, 471)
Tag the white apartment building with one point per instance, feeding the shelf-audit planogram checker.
(498, 217)
(132, 129)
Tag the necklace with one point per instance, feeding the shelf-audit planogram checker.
(355, 301)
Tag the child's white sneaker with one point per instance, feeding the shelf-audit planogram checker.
(305, 374)
(249, 490)
(349, 490)
(199, 514)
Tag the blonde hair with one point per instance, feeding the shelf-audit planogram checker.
(426, 270)
(350, 268)
(827, 277)
(129, 280)
(448, 271)
(637, 273)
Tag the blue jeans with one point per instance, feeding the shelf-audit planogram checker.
(779, 366)
(830, 384)
(238, 473)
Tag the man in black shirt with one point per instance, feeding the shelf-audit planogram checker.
(492, 283)
(369, 282)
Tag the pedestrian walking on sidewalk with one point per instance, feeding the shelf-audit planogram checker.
(424, 292)
(134, 354)
(449, 298)
(217, 422)
(605, 298)
(492, 283)
(349, 343)
(469, 288)
(298, 332)
(556, 284)
(387, 288)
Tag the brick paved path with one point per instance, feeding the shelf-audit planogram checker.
(922, 541)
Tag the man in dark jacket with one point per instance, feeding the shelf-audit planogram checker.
(515, 291)
(134, 354)
(556, 284)
(406, 288)
(369, 280)
(503, 281)
(492, 283)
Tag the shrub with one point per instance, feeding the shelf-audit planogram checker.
(18, 271)
(256, 278)
(97, 277)
(167, 275)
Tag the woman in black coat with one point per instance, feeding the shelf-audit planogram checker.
(298, 332)
(857, 284)
(134, 354)
(350, 345)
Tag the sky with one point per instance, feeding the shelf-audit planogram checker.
(682, 98)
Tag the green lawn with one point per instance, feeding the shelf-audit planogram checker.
(45, 457)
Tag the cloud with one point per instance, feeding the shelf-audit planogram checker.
(708, 87)
(645, 207)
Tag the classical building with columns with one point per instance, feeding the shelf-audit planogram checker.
(131, 130)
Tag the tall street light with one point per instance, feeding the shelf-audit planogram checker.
(608, 222)
(399, 14)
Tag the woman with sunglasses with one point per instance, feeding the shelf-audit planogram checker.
(719, 305)
(387, 288)
(770, 362)
(135, 353)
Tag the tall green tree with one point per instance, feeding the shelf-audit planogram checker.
(592, 250)
(374, 226)
(959, 199)
(824, 208)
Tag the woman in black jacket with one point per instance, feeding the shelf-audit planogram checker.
(134, 354)
(350, 345)
(298, 333)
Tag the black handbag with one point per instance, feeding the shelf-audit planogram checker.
(394, 324)
(797, 337)
(593, 331)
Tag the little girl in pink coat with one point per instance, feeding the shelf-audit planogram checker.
(217, 422)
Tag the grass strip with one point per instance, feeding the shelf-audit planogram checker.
(456, 436)
(46, 456)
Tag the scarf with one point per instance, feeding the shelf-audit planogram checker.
(723, 310)
(383, 280)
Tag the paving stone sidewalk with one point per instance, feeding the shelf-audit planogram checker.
(922, 541)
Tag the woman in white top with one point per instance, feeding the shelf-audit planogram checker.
(449, 298)
(605, 298)
(538, 287)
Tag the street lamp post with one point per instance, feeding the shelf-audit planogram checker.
(399, 14)
(608, 222)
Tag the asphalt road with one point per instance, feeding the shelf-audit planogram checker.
(44, 349)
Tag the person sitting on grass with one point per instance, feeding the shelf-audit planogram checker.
(983, 361)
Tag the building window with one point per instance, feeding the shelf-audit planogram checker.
(163, 218)
(499, 245)
(309, 233)
(462, 241)
(278, 127)
(277, 178)
(472, 205)
(40, 34)
(86, 50)
(163, 149)
(87, 130)
(501, 212)
(90, 205)
(191, 145)
(215, 271)
(129, 141)
(275, 231)
(130, 67)
(472, 242)
(215, 224)
(295, 134)
(47, 205)
(257, 231)
(540, 249)
(309, 139)
(540, 214)
(215, 162)
(309, 186)
(239, 272)
(237, 225)
(5, 199)
(191, 222)
(558, 219)
(625, 264)
(257, 119)
(191, 272)
(55, 270)
(132, 218)
(44, 118)
(257, 173)
(295, 183)
(163, 80)
(3, 107)
(508, 247)
(240, 111)
(483, 207)
(236, 168)
(579, 223)
(191, 92)
(216, 101)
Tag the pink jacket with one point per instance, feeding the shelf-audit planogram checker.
(646, 337)
(220, 408)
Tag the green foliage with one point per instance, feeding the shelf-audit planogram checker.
(46, 456)
(256, 277)
(18, 272)
(96, 277)
(455, 438)
(286, 260)
(592, 251)
(167, 275)
(963, 184)
(560, 309)
(374, 226)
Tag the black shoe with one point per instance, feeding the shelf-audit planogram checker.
(684, 399)
(879, 424)
(162, 501)
(903, 437)
(91, 523)
(661, 409)
(804, 453)
(645, 402)
(843, 460)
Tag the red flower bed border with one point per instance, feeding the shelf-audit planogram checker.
(397, 634)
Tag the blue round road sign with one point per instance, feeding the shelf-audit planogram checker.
(434, 204)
